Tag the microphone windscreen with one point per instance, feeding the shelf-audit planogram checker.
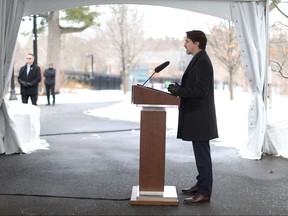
(161, 67)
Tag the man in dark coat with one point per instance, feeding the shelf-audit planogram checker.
(29, 78)
(197, 116)
(49, 82)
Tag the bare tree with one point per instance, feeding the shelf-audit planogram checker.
(278, 53)
(223, 42)
(274, 4)
(81, 16)
(125, 31)
(279, 58)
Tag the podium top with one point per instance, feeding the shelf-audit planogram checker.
(149, 96)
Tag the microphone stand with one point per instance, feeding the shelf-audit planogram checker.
(148, 79)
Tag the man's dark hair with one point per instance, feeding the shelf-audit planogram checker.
(198, 36)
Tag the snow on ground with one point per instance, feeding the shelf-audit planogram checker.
(232, 115)
(84, 96)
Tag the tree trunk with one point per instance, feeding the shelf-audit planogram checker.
(54, 46)
(231, 86)
(126, 83)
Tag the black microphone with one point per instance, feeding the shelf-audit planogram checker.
(157, 70)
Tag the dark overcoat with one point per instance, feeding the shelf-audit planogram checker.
(34, 77)
(49, 75)
(197, 116)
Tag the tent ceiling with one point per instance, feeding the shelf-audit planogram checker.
(211, 7)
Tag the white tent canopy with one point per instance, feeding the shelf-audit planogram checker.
(251, 22)
(212, 7)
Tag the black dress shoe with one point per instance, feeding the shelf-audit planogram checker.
(189, 191)
(198, 198)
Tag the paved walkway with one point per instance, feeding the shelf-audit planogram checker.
(92, 165)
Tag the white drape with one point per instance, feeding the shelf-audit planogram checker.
(250, 23)
(10, 17)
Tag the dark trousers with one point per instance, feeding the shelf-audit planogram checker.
(33, 98)
(204, 166)
(52, 89)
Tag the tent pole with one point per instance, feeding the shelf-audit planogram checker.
(265, 93)
(266, 83)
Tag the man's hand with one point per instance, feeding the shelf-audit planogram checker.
(174, 89)
(24, 83)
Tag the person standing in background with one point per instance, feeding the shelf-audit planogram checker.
(29, 78)
(197, 115)
(50, 74)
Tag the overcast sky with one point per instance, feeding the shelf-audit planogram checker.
(175, 22)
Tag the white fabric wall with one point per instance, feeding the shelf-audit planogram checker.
(10, 14)
(250, 23)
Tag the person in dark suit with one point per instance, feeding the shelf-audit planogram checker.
(50, 74)
(29, 78)
(197, 116)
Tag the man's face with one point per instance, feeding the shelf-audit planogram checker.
(190, 46)
(30, 59)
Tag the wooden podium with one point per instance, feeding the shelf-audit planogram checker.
(151, 189)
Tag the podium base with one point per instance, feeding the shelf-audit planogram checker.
(169, 197)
